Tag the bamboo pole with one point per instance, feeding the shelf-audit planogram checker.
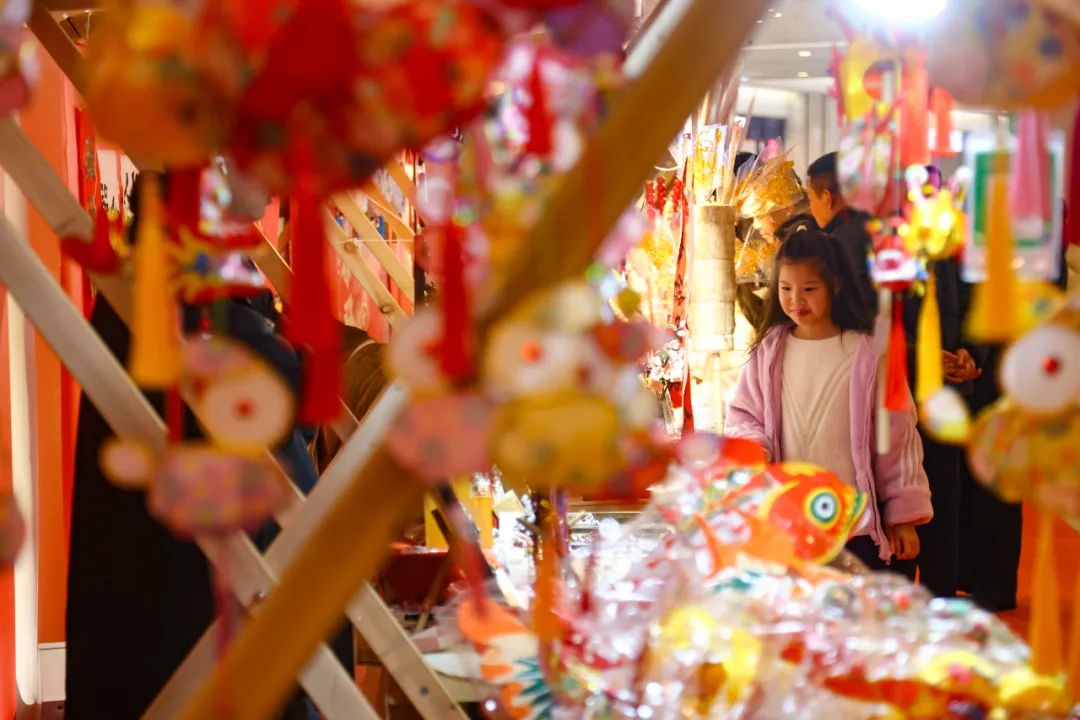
(386, 209)
(342, 552)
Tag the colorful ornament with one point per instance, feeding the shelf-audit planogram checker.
(444, 437)
(1005, 54)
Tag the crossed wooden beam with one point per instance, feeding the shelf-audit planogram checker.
(333, 543)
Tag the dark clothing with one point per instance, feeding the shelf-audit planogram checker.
(849, 228)
(863, 547)
(138, 597)
(990, 529)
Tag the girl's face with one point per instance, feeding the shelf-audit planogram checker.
(805, 297)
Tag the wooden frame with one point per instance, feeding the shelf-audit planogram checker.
(322, 543)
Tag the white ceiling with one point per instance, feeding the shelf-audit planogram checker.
(787, 28)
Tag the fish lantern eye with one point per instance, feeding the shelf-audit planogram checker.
(1041, 372)
(823, 508)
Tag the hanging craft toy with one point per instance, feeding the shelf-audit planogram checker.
(658, 628)
(557, 391)
(1006, 54)
(227, 482)
(934, 232)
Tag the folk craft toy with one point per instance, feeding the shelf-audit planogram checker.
(679, 636)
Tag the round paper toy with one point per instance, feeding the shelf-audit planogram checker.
(127, 463)
(244, 405)
(945, 416)
(526, 360)
(1041, 371)
(572, 308)
(628, 342)
(411, 354)
(12, 530)
(1005, 54)
(201, 489)
(563, 440)
(443, 437)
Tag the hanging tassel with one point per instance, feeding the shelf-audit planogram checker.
(1072, 207)
(993, 312)
(185, 203)
(929, 376)
(310, 323)
(941, 104)
(1072, 682)
(100, 254)
(155, 332)
(546, 622)
(896, 374)
(1029, 186)
(538, 115)
(915, 132)
(1045, 629)
(454, 349)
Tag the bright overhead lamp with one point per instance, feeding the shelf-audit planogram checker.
(908, 11)
(804, 74)
(805, 53)
(779, 14)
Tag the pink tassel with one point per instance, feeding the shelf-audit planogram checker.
(1029, 176)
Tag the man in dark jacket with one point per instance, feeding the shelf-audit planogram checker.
(835, 217)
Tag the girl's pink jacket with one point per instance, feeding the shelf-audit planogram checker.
(894, 481)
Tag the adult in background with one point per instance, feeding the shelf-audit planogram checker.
(844, 223)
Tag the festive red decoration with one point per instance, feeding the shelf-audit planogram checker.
(455, 356)
(310, 321)
(914, 129)
(538, 115)
(941, 104)
(1072, 224)
(897, 396)
(98, 255)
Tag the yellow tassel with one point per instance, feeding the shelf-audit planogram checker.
(929, 374)
(155, 337)
(1073, 678)
(993, 314)
(1045, 604)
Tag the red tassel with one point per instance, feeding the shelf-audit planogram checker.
(1072, 207)
(185, 204)
(897, 396)
(538, 116)
(98, 255)
(454, 355)
(915, 148)
(309, 317)
(941, 104)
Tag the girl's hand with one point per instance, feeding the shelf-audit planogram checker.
(904, 541)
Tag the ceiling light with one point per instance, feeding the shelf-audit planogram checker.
(760, 21)
(778, 14)
(805, 53)
(907, 11)
(804, 74)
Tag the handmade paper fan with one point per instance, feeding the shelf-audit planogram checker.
(245, 405)
(199, 489)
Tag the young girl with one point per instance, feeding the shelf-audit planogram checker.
(808, 393)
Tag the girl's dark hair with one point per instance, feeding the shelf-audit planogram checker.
(816, 247)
